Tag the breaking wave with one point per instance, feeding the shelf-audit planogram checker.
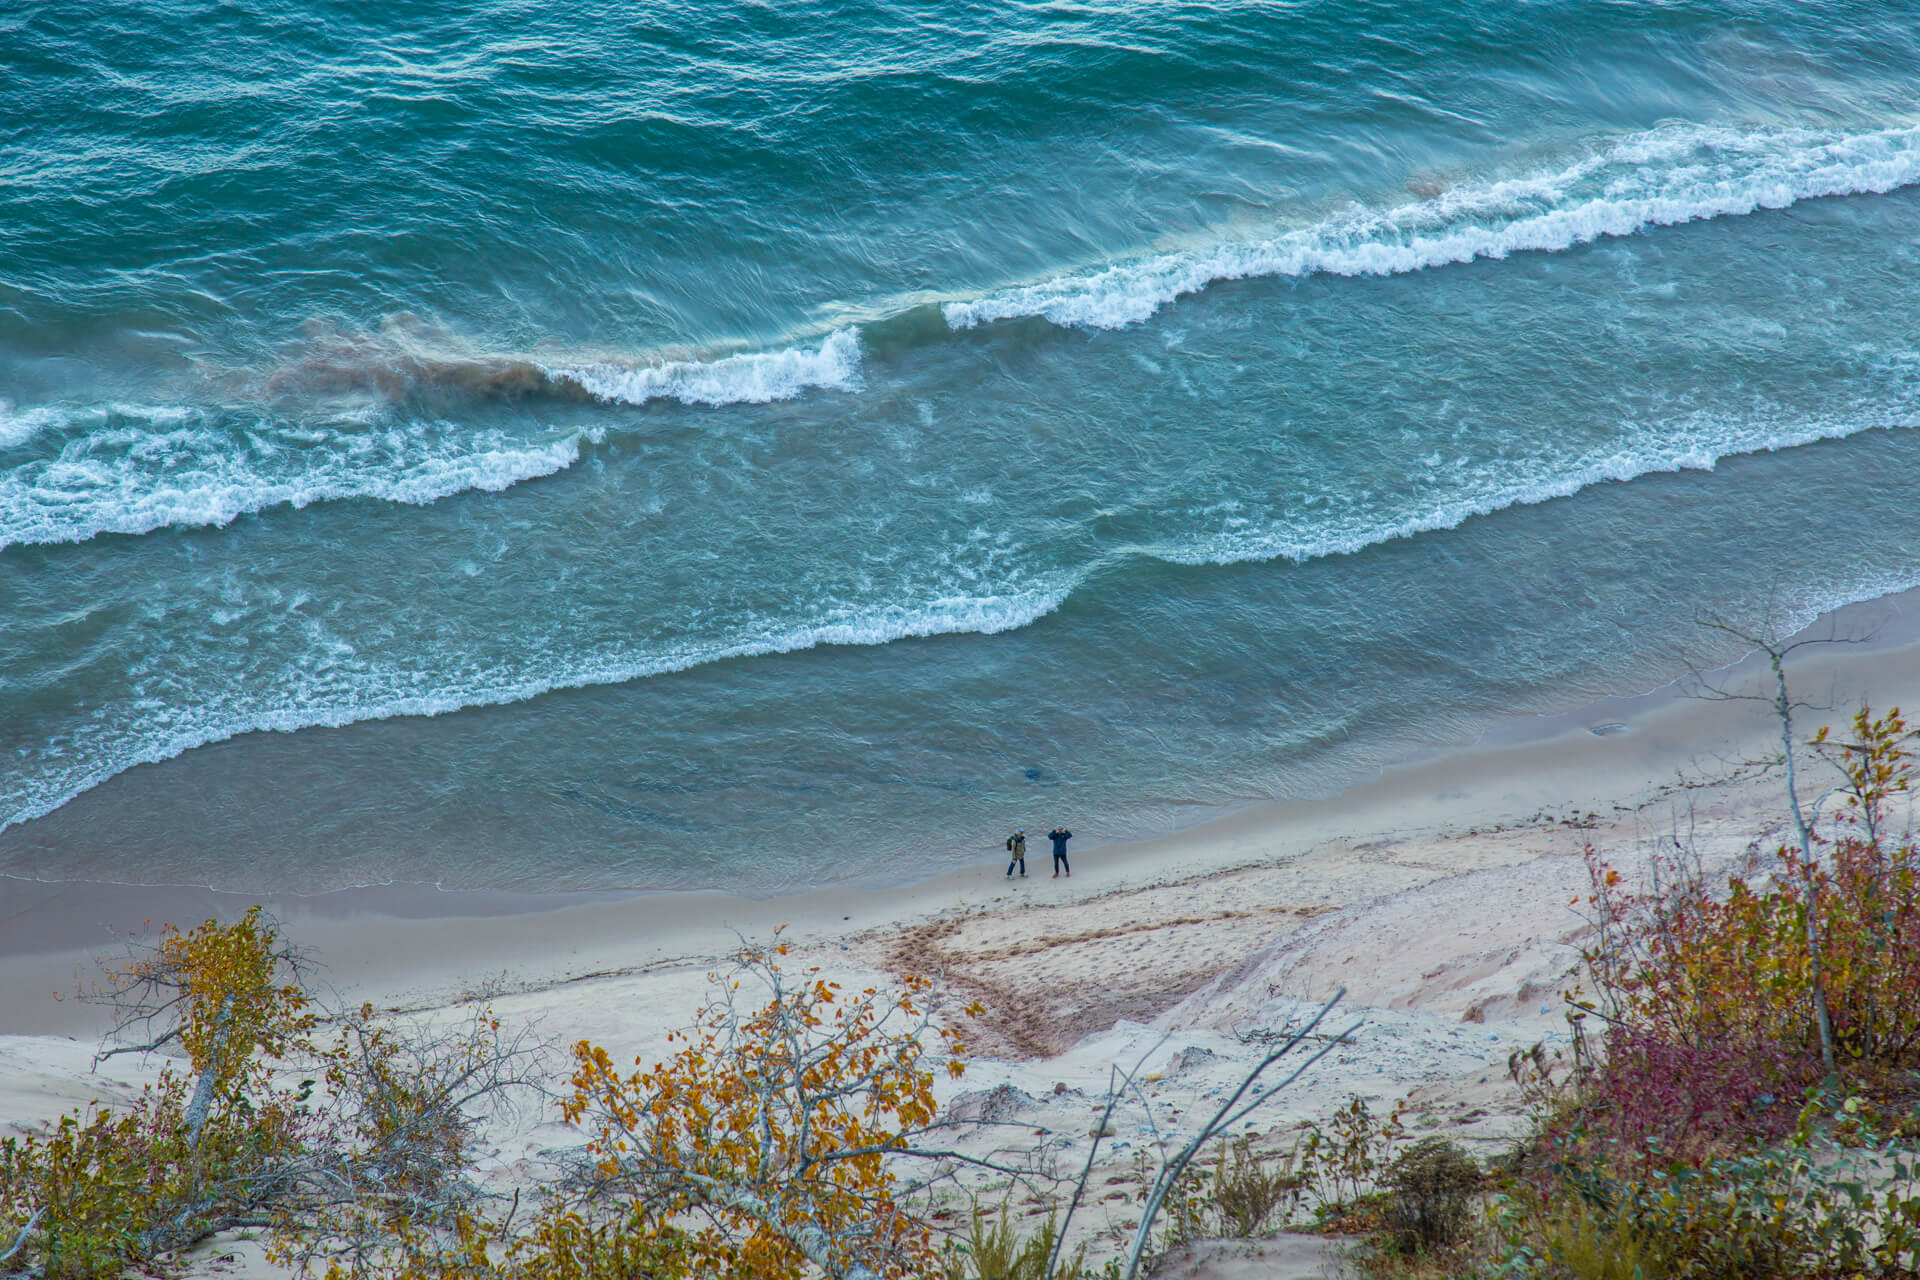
(1662, 178)
(136, 468)
(91, 470)
(755, 377)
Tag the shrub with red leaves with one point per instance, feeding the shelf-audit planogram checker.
(1664, 1100)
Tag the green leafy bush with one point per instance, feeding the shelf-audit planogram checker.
(1343, 1158)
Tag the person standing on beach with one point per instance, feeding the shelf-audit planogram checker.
(1017, 847)
(1060, 836)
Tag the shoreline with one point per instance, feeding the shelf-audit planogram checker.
(1893, 617)
(1440, 898)
(1612, 755)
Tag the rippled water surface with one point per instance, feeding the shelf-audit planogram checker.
(550, 446)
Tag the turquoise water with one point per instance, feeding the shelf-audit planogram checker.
(543, 446)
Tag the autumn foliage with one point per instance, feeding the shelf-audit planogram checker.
(1735, 1111)
(771, 1139)
(350, 1149)
(1708, 989)
(771, 1144)
(105, 1188)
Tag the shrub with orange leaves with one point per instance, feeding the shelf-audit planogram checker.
(373, 1170)
(765, 1147)
(771, 1139)
(106, 1188)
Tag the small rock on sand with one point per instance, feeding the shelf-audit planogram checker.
(991, 1106)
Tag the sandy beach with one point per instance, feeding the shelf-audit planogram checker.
(1438, 896)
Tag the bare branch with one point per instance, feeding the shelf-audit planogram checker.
(20, 1241)
(1225, 1116)
(171, 1036)
(1086, 1170)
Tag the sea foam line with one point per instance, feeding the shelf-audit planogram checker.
(192, 475)
(177, 470)
(884, 624)
(1701, 447)
(754, 377)
(1662, 178)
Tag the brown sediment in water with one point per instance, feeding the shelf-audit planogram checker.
(405, 359)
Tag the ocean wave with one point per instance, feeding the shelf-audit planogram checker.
(1665, 177)
(1699, 444)
(135, 469)
(947, 615)
(88, 480)
(754, 377)
(407, 359)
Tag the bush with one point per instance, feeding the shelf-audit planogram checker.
(1681, 1151)
(103, 1190)
(1781, 1211)
(1431, 1187)
(377, 1166)
(86, 1184)
(1583, 1244)
(1709, 974)
(1341, 1159)
(1248, 1189)
(997, 1250)
(1676, 1101)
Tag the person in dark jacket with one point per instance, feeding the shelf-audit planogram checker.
(1017, 848)
(1060, 836)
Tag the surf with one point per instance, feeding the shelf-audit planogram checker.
(139, 468)
(79, 471)
(1662, 178)
(755, 377)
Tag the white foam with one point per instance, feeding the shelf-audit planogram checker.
(137, 468)
(18, 427)
(119, 479)
(1698, 444)
(1662, 178)
(755, 377)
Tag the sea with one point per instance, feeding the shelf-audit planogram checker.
(753, 446)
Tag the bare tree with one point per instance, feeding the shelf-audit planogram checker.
(1784, 705)
(386, 1169)
(1238, 1105)
(1249, 1094)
